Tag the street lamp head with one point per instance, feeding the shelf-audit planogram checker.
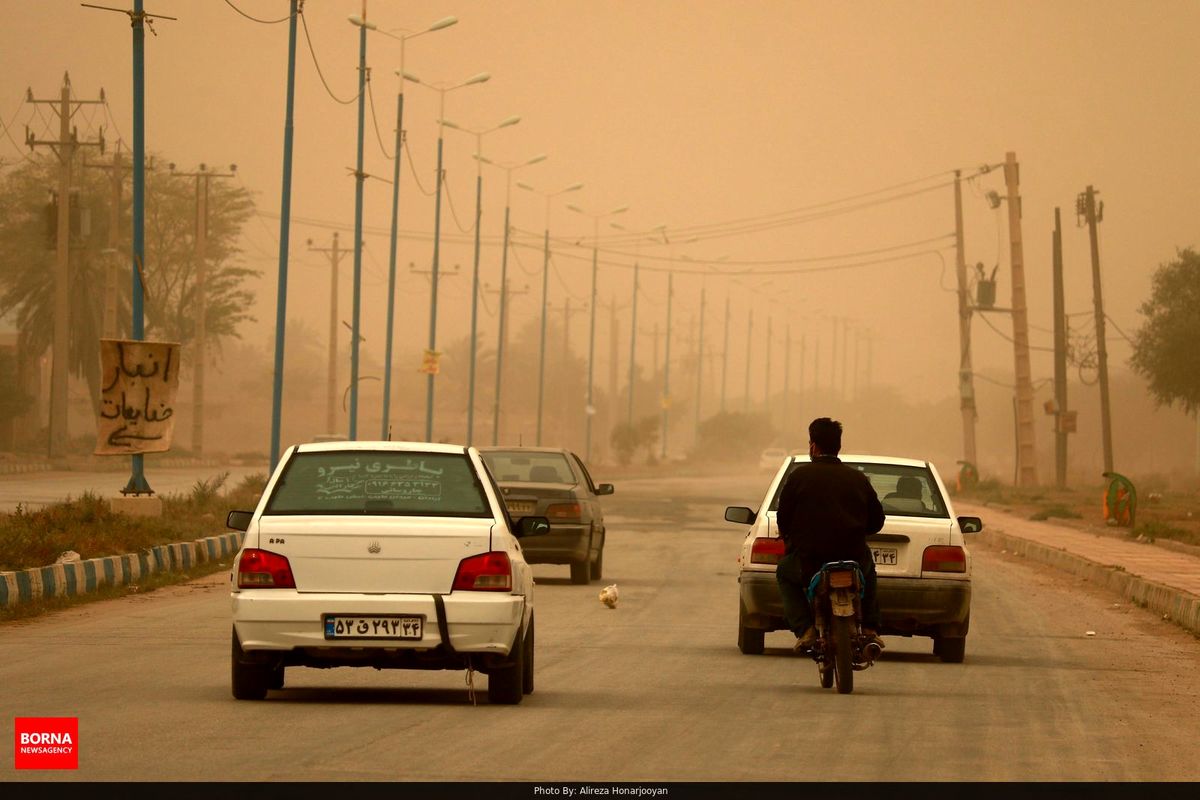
(575, 187)
(408, 76)
(450, 124)
(509, 121)
(620, 210)
(540, 157)
(482, 77)
(362, 23)
(485, 160)
(525, 186)
(446, 22)
(616, 225)
(575, 208)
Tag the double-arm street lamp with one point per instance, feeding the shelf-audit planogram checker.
(508, 171)
(441, 24)
(478, 133)
(545, 290)
(590, 411)
(441, 89)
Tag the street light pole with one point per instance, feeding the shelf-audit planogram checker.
(385, 426)
(545, 292)
(479, 134)
(508, 170)
(437, 236)
(359, 177)
(590, 410)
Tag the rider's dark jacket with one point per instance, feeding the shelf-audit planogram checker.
(827, 509)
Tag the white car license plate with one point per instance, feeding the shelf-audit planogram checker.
(341, 626)
(885, 556)
(521, 506)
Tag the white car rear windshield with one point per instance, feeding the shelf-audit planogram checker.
(903, 490)
(517, 467)
(379, 482)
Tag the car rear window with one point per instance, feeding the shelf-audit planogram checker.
(903, 490)
(379, 482)
(514, 467)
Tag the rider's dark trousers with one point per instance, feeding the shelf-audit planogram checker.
(795, 572)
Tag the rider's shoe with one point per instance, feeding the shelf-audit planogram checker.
(873, 636)
(805, 641)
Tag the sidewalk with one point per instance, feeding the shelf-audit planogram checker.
(1160, 579)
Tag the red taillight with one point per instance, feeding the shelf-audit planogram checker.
(564, 511)
(261, 569)
(766, 550)
(944, 558)
(841, 579)
(486, 572)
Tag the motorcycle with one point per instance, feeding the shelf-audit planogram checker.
(835, 596)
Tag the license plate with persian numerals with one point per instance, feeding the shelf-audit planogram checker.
(343, 626)
(885, 556)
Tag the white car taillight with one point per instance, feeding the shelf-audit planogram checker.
(262, 569)
(486, 572)
(766, 550)
(944, 558)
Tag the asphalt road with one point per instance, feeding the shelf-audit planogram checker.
(653, 690)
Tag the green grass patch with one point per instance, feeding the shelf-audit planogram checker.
(87, 526)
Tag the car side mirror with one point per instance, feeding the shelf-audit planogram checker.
(605, 488)
(970, 524)
(531, 526)
(239, 520)
(740, 515)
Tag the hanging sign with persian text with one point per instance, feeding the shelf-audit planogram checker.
(137, 400)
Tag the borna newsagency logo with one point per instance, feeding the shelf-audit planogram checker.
(46, 743)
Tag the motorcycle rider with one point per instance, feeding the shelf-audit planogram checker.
(826, 511)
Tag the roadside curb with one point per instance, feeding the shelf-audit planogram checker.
(81, 577)
(1181, 607)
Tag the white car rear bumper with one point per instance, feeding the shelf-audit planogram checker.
(282, 619)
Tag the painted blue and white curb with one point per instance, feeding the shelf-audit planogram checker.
(81, 577)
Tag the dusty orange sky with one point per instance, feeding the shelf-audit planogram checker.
(695, 113)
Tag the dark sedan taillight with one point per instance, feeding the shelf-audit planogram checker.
(766, 550)
(564, 512)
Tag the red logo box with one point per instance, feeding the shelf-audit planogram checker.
(46, 743)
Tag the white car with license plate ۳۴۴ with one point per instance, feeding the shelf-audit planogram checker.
(921, 559)
(386, 555)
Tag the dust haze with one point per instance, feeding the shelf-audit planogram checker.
(801, 157)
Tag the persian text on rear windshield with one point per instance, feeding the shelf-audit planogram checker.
(375, 482)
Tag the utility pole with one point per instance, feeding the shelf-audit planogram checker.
(335, 257)
(787, 378)
(505, 294)
(1088, 201)
(567, 311)
(700, 361)
(64, 147)
(1060, 359)
(725, 355)
(1026, 449)
(200, 253)
(749, 343)
(767, 373)
(966, 377)
(666, 396)
(116, 174)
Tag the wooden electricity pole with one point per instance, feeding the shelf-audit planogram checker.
(64, 147)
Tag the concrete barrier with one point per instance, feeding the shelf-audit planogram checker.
(1181, 607)
(82, 577)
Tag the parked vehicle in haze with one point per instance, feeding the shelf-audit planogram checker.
(386, 555)
(921, 558)
(771, 458)
(554, 483)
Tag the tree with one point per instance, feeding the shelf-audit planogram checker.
(628, 438)
(733, 436)
(27, 255)
(1164, 348)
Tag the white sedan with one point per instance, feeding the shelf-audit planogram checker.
(921, 558)
(386, 555)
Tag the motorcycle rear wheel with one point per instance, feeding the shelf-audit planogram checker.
(843, 657)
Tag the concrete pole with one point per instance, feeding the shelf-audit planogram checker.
(332, 367)
(1101, 345)
(62, 280)
(749, 345)
(116, 182)
(1026, 444)
(725, 355)
(966, 377)
(201, 249)
(1060, 358)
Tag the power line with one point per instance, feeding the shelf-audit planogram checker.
(453, 212)
(20, 151)
(413, 169)
(1008, 338)
(321, 75)
(375, 120)
(256, 19)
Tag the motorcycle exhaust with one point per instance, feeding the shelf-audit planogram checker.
(872, 651)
